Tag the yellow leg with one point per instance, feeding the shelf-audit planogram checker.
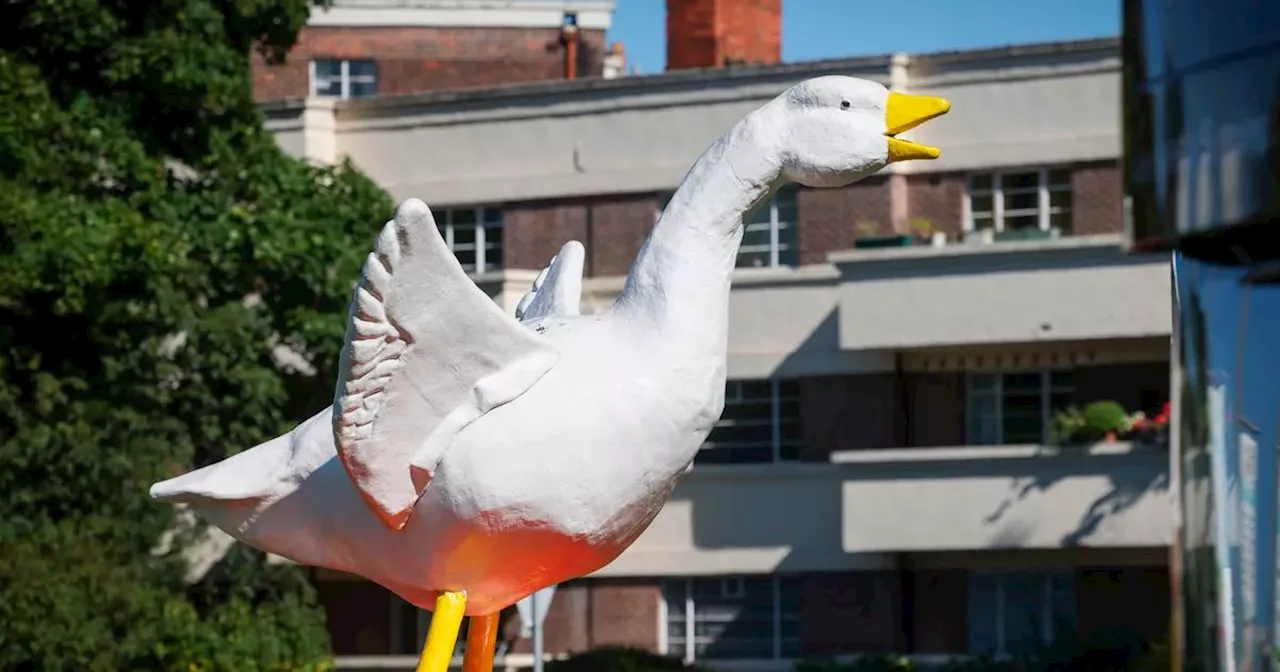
(442, 636)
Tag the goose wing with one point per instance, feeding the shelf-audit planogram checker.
(426, 353)
(557, 291)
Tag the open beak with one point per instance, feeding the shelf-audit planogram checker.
(903, 113)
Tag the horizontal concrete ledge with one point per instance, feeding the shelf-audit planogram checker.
(1095, 242)
(1012, 452)
(519, 661)
(613, 284)
(409, 662)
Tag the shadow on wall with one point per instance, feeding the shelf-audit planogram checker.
(1127, 486)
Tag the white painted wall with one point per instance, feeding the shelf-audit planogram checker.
(855, 513)
(1006, 497)
(638, 134)
(1022, 111)
(1068, 289)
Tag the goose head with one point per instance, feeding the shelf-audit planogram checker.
(835, 130)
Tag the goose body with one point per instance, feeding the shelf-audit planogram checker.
(470, 452)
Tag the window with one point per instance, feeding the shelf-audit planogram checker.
(475, 236)
(1014, 407)
(333, 78)
(760, 423)
(1012, 613)
(732, 617)
(770, 235)
(1012, 201)
(770, 238)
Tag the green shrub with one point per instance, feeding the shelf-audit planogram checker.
(877, 663)
(1106, 416)
(1069, 427)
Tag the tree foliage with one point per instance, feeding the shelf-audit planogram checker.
(157, 252)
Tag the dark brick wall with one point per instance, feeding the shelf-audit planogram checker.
(830, 219)
(1106, 597)
(714, 33)
(938, 198)
(619, 226)
(624, 612)
(850, 612)
(532, 233)
(419, 59)
(1140, 386)
(613, 229)
(592, 613)
(937, 406)
(1097, 199)
(847, 413)
(940, 611)
(358, 615)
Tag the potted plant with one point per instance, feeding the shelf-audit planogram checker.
(1028, 234)
(868, 238)
(925, 234)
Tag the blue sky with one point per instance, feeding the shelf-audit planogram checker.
(815, 29)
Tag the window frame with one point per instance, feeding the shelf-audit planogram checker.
(1047, 390)
(483, 227)
(1044, 196)
(689, 608)
(776, 225)
(776, 400)
(1048, 625)
(345, 78)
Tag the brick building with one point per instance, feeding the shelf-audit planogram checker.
(882, 480)
(365, 48)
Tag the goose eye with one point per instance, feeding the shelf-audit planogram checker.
(844, 104)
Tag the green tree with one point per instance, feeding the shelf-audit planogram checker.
(157, 251)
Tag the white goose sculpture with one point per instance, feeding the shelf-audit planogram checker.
(470, 459)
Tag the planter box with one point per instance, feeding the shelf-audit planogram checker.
(884, 241)
(1028, 234)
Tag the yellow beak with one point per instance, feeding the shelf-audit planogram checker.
(903, 113)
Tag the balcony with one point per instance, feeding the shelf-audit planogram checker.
(1005, 497)
(1067, 289)
(862, 507)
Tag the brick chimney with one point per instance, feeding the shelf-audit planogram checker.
(716, 33)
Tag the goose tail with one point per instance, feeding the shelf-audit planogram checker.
(248, 475)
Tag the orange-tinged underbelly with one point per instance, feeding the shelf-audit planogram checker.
(497, 570)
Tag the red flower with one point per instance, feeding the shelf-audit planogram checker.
(1163, 418)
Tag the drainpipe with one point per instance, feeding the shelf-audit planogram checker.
(569, 36)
